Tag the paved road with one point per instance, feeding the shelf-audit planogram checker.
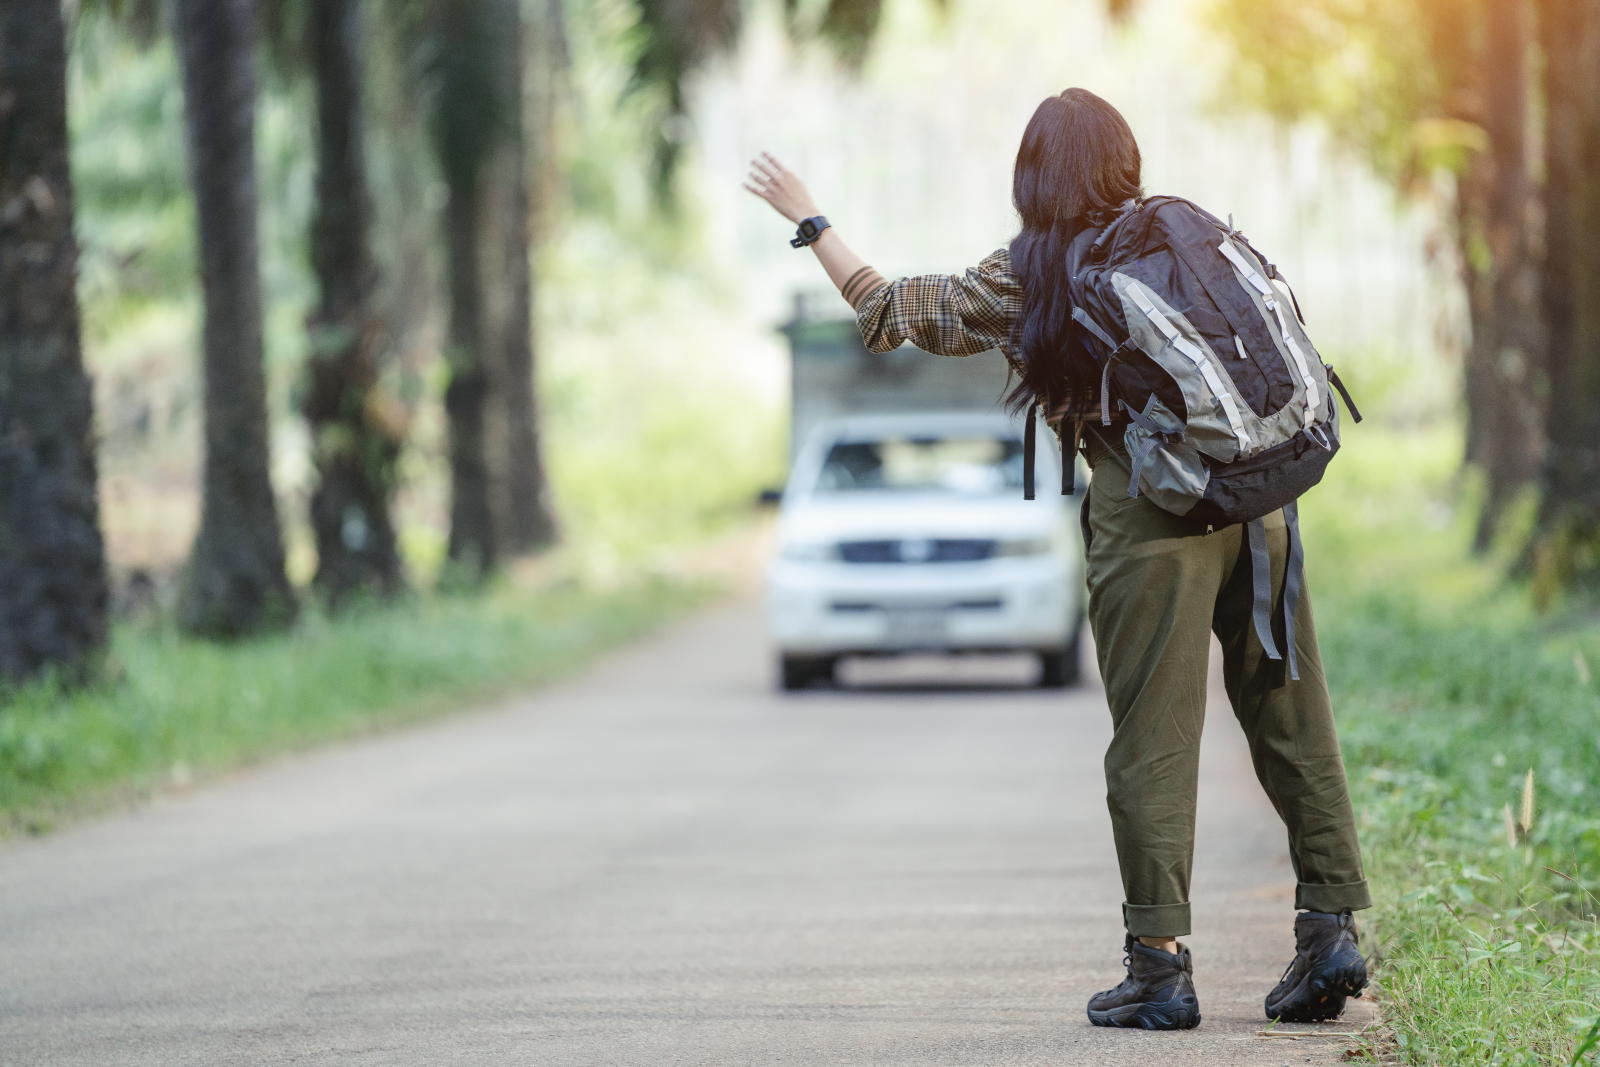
(659, 862)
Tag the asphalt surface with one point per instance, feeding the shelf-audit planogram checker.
(661, 861)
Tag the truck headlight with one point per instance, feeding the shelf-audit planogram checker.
(1028, 546)
(806, 552)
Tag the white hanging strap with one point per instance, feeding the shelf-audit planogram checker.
(1313, 397)
(1249, 271)
(1199, 359)
(1269, 296)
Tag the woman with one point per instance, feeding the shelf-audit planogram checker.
(1158, 584)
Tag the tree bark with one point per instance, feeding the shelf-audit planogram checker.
(1472, 196)
(1506, 378)
(498, 494)
(472, 542)
(518, 491)
(355, 436)
(234, 583)
(52, 558)
(1568, 553)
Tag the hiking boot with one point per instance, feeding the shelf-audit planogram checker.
(1158, 993)
(1327, 969)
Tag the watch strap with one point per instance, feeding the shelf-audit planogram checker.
(810, 229)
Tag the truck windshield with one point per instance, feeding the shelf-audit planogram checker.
(966, 465)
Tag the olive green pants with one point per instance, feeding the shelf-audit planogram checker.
(1158, 586)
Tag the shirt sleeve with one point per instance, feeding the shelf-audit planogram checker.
(946, 314)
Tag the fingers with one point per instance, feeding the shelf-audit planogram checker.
(777, 185)
(768, 167)
(765, 173)
(761, 186)
(762, 182)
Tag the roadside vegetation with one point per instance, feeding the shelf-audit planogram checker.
(1471, 729)
(173, 709)
(659, 425)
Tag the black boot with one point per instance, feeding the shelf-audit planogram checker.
(1327, 969)
(1158, 993)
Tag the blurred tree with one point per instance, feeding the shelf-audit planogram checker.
(1510, 435)
(1419, 87)
(139, 19)
(1568, 551)
(519, 501)
(52, 561)
(234, 583)
(470, 54)
(679, 36)
(356, 428)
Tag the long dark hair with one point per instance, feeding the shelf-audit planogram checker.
(1077, 165)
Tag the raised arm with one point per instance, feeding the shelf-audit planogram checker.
(783, 189)
(946, 314)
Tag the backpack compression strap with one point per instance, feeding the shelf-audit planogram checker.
(1333, 378)
(1069, 456)
(1114, 353)
(1261, 579)
(1291, 581)
(1030, 434)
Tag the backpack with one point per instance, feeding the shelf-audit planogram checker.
(1201, 341)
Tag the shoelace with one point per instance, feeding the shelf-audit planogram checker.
(1290, 968)
(1309, 957)
(1127, 964)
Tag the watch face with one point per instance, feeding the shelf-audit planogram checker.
(808, 229)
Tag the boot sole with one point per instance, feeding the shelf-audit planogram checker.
(1149, 1016)
(1321, 995)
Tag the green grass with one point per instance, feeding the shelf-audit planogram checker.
(1449, 690)
(174, 708)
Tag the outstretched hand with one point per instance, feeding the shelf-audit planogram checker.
(783, 189)
(780, 187)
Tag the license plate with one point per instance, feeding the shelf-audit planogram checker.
(916, 625)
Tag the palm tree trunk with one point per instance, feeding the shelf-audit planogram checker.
(1509, 357)
(519, 495)
(472, 542)
(354, 445)
(1569, 549)
(52, 560)
(498, 495)
(234, 583)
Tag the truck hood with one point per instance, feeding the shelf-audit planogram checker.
(875, 516)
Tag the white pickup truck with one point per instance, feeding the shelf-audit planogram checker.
(903, 524)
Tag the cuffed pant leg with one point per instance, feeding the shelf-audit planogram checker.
(1292, 739)
(1153, 581)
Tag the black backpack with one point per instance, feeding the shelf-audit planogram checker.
(1201, 341)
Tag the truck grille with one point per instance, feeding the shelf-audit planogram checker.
(917, 550)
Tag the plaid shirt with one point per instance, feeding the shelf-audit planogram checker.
(946, 314)
(951, 315)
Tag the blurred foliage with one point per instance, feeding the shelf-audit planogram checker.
(138, 272)
(678, 37)
(135, 219)
(451, 45)
(1389, 78)
(653, 434)
(1448, 692)
(1121, 10)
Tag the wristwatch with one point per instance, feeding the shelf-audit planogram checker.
(810, 229)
